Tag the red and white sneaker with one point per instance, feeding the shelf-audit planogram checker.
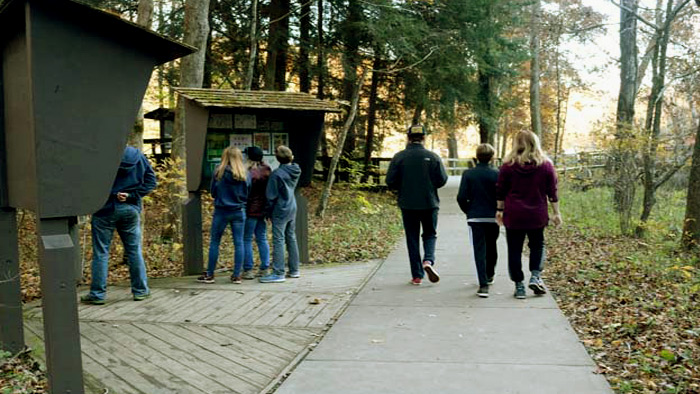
(416, 281)
(431, 272)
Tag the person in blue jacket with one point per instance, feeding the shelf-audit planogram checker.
(477, 198)
(229, 188)
(122, 212)
(282, 209)
(416, 173)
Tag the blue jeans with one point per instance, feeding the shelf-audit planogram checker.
(413, 219)
(284, 233)
(126, 220)
(221, 219)
(258, 227)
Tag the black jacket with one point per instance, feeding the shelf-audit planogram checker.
(416, 173)
(477, 192)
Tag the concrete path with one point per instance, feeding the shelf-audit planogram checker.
(395, 337)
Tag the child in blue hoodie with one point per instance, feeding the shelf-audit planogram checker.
(282, 208)
(229, 187)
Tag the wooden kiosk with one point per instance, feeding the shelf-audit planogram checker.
(215, 119)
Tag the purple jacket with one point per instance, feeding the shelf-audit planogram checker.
(525, 190)
(256, 198)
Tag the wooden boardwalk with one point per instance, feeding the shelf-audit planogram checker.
(198, 338)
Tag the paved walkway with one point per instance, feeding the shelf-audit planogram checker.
(441, 338)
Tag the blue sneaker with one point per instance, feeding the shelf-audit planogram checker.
(272, 278)
(294, 274)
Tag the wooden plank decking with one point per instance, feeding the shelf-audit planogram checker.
(198, 338)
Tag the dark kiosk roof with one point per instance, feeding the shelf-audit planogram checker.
(263, 99)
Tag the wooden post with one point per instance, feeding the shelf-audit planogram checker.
(59, 305)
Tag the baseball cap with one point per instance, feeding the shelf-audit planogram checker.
(254, 153)
(416, 129)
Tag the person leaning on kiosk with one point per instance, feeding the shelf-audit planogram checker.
(526, 181)
(122, 212)
(416, 173)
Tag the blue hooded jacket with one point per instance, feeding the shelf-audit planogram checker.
(281, 203)
(135, 176)
(229, 193)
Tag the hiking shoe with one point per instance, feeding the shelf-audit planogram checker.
(489, 280)
(483, 292)
(416, 281)
(141, 297)
(248, 274)
(88, 299)
(537, 285)
(261, 273)
(519, 290)
(431, 272)
(272, 278)
(293, 274)
(236, 280)
(204, 278)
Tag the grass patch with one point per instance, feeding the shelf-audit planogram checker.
(633, 302)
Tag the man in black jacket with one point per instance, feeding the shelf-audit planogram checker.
(416, 173)
(477, 198)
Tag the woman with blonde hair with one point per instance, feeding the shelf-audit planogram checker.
(526, 182)
(229, 188)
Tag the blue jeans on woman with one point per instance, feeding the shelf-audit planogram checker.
(284, 233)
(126, 220)
(221, 219)
(257, 226)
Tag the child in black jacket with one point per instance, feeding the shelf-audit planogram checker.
(477, 198)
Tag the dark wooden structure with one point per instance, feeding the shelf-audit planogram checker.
(161, 146)
(57, 58)
(215, 119)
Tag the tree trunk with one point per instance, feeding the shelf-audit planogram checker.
(486, 115)
(417, 114)
(253, 55)
(191, 75)
(143, 18)
(452, 148)
(276, 67)
(371, 117)
(535, 102)
(351, 62)
(304, 45)
(321, 71)
(653, 126)
(623, 155)
(323, 202)
(691, 225)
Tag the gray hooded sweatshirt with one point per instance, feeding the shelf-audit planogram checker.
(281, 203)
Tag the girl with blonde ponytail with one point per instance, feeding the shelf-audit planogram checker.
(229, 188)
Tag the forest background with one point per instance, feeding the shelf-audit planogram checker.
(609, 86)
